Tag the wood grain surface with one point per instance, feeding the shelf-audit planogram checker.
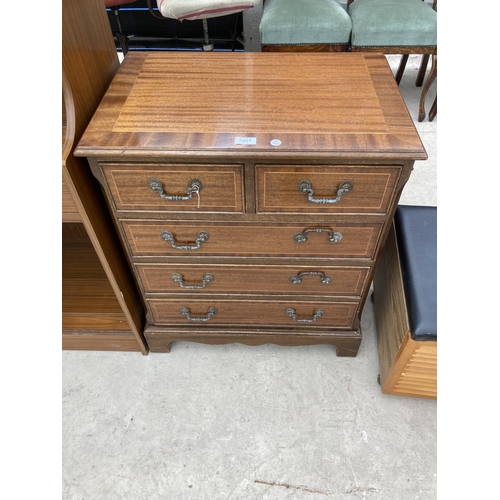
(227, 239)
(371, 192)
(88, 300)
(160, 338)
(254, 312)
(89, 63)
(252, 279)
(222, 187)
(251, 126)
(341, 102)
(407, 367)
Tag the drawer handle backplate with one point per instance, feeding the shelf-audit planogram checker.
(334, 236)
(305, 187)
(187, 313)
(324, 278)
(169, 238)
(207, 278)
(194, 186)
(317, 314)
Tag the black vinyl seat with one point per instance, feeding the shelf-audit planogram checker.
(416, 233)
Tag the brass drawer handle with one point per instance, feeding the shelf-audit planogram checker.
(305, 187)
(169, 238)
(187, 313)
(317, 314)
(334, 237)
(194, 186)
(207, 278)
(324, 278)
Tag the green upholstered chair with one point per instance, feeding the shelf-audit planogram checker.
(304, 25)
(397, 27)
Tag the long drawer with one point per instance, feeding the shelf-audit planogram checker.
(246, 279)
(326, 189)
(225, 239)
(176, 187)
(193, 311)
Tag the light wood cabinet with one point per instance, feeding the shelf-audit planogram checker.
(101, 304)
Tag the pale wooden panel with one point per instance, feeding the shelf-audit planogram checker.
(418, 378)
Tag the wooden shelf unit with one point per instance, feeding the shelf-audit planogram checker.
(101, 306)
(92, 318)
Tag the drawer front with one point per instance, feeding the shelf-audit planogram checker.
(227, 239)
(192, 311)
(315, 189)
(288, 280)
(220, 187)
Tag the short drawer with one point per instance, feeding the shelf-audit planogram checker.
(311, 189)
(192, 311)
(220, 279)
(176, 188)
(167, 238)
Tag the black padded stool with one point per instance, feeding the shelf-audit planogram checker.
(405, 297)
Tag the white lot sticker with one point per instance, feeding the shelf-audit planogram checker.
(245, 140)
(275, 142)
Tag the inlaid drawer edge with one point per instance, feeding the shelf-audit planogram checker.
(223, 278)
(176, 187)
(340, 189)
(225, 240)
(280, 312)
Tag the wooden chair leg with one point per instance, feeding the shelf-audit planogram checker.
(422, 70)
(401, 68)
(430, 79)
(433, 110)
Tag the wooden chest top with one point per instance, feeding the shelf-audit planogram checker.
(259, 104)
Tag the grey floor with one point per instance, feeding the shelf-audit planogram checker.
(238, 422)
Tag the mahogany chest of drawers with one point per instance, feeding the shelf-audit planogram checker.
(253, 191)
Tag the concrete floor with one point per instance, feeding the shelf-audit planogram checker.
(237, 422)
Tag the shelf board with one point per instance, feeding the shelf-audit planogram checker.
(69, 211)
(91, 315)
